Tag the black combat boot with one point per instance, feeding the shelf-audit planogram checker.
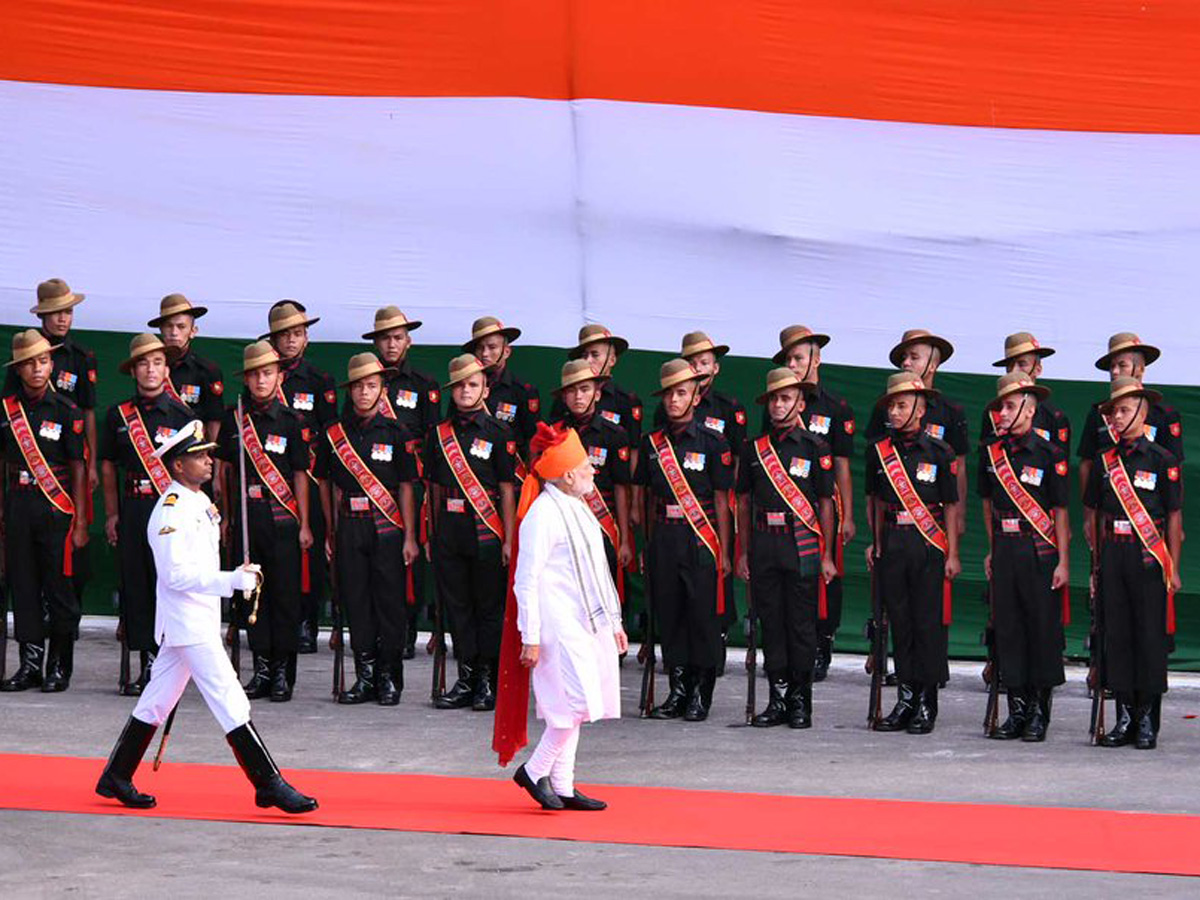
(1147, 734)
(679, 682)
(116, 780)
(700, 697)
(29, 673)
(1124, 731)
(462, 693)
(824, 657)
(307, 642)
(776, 712)
(902, 712)
(387, 690)
(281, 688)
(1039, 715)
(1018, 715)
(259, 685)
(799, 701)
(269, 787)
(363, 689)
(485, 688)
(927, 709)
(58, 664)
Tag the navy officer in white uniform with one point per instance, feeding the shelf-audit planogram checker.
(184, 533)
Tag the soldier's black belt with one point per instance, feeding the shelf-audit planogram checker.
(896, 516)
(139, 487)
(773, 522)
(1122, 530)
(1011, 526)
(23, 480)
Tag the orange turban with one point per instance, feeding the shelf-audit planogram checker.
(555, 450)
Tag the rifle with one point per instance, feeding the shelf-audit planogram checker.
(437, 641)
(123, 677)
(751, 656)
(877, 634)
(991, 712)
(3, 613)
(1096, 677)
(649, 660)
(337, 637)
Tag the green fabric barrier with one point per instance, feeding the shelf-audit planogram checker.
(744, 377)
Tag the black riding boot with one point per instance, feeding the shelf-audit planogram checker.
(700, 698)
(29, 673)
(281, 689)
(363, 688)
(259, 685)
(117, 778)
(927, 710)
(799, 701)
(485, 688)
(824, 657)
(391, 671)
(58, 664)
(1124, 731)
(1018, 715)
(679, 682)
(1039, 716)
(776, 711)
(902, 712)
(307, 642)
(1147, 734)
(269, 787)
(462, 694)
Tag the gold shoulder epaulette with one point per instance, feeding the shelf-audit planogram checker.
(166, 529)
(170, 499)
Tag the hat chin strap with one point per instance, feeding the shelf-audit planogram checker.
(1121, 434)
(792, 416)
(908, 421)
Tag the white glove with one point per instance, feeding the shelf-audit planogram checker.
(245, 578)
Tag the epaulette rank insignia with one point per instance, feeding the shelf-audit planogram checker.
(170, 499)
(166, 529)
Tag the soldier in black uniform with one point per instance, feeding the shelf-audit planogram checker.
(601, 349)
(39, 535)
(372, 540)
(311, 393)
(129, 500)
(682, 571)
(784, 560)
(195, 380)
(278, 534)
(414, 398)
(1023, 568)
(830, 418)
(510, 399)
(607, 444)
(914, 571)
(1137, 594)
(470, 558)
(1023, 353)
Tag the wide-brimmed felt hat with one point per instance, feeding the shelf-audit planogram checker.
(173, 305)
(257, 355)
(463, 367)
(675, 372)
(1124, 341)
(486, 326)
(1018, 345)
(55, 295)
(286, 314)
(1127, 386)
(1017, 383)
(597, 334)
(143, 344)
(364, 365)
(388, 318)
(28, 344)
(778, 380)
(920, 336)
(695, 342)
(793, 335)
(905, 383)
(188, 439)
(576, 371)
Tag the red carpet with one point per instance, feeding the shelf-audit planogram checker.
(1052, 837)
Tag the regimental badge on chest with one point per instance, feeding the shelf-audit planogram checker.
(935, 431)
(189, 393)
(506, 412)
(66, 381)
(927, 472)
(381, 452)
(800, 467)
(819, 424)
(1031, 475)
(302, 401)
(407, 399)
(275, 443)
(614, 417)
(51, 431)
(597, 456)
(1042, 433)
(712, 423)
(481, 448)
(163, 434)
(1147, 481)
(694, 461)
(1151, 432)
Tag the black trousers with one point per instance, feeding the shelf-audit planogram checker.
(36, 538)
(912, 576)
(1027, 614)
(136, 564)
(318, 569)
(1135, 619)
(786, 605)
(472, 582)
(274, 545)
(417, 572)
(828, 626)
(683, 586)
(370, 572)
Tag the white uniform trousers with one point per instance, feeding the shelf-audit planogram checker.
(207, 665)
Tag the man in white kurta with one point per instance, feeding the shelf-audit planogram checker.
(569, 618)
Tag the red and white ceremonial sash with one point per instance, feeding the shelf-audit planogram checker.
(1028, 507)
(1147, 533)
(839, 548)
(692, 510)
(270, 475)
(608, 524)
(797, 503)
(898, 478)
(46, 480)
(367, 480)
(144, 447)
(467, 481)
